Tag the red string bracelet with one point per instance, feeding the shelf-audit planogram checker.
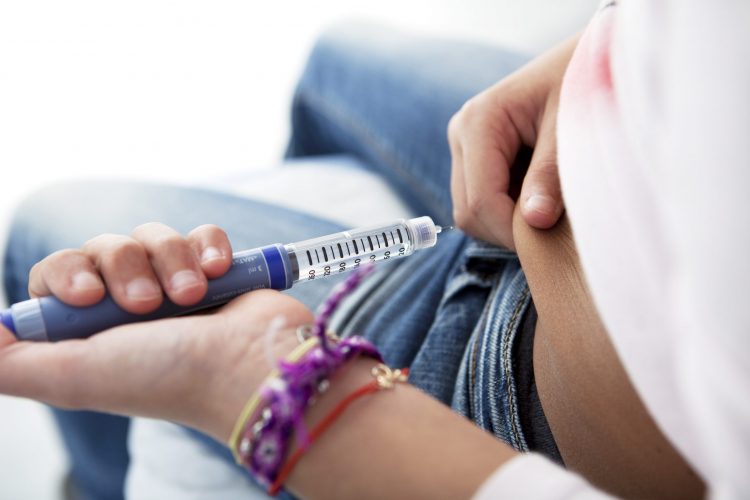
(385, 378)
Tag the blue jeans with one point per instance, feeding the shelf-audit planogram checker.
(452, 315)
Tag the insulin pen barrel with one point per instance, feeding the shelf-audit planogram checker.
(347, 250)
(273, 266)
(48, 319)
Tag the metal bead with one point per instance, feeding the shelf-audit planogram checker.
(257, 427)
(244, 446)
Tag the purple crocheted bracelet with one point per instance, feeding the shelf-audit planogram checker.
(266, 440)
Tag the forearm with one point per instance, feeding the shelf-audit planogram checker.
(394, 443)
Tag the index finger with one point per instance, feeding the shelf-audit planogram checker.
(69, 275)
(487, 156)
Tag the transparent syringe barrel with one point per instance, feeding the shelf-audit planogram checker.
(347, 250)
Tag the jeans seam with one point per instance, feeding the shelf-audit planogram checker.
(473, 365)
(483, 330)
(507, 369)
(337, 114)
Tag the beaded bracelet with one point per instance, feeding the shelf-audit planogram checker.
(275, 413)
(250, 410)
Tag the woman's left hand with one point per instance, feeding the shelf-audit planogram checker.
(196, 370)
(486, 136)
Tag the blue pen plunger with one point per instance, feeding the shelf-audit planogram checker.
(6, 318)
(49, 319)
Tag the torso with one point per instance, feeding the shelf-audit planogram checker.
(600, 425)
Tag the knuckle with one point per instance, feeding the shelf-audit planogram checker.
(149, 228)
(102, 241)
(210, 231)
(546, 167)
(168, 245)
(36, 269)
(461, 218)
(475, 205)
(64, 254)
(36, 286)
(469, 108)
(471, 116)
(53, 260)
(474, 109)
(454, 127)
(467, 114)
(123, 252)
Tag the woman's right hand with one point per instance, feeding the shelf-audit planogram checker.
(198, 370)
(486, 135)
(136, 270)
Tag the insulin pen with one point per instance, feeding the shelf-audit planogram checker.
(277, 266)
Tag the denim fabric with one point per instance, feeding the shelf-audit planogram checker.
(484, 390)
(452, 314)
(386, 97)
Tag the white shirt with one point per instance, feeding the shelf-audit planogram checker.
(654, 158)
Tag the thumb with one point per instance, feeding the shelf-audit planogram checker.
(541, 197)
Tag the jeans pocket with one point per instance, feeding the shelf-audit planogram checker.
(472, 274)
(485, 389)
(481, 265)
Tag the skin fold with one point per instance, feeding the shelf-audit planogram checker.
(601, 427)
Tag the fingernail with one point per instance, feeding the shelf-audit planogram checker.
(183, 279)
(540, 203)
(86, 280)
(142, 289)
(210, 253)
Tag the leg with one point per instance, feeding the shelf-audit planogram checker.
(386, 97)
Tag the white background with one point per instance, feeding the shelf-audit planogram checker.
(179, 91)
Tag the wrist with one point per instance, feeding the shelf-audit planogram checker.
(240, 381)
(274, 418)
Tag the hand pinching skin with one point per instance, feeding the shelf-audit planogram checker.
(486, 135)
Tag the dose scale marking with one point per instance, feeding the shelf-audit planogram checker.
(347, 250)
(349, 245)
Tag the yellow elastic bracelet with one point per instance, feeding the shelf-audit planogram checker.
(252, 404)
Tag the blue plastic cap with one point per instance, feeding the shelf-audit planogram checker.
(7, 320)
